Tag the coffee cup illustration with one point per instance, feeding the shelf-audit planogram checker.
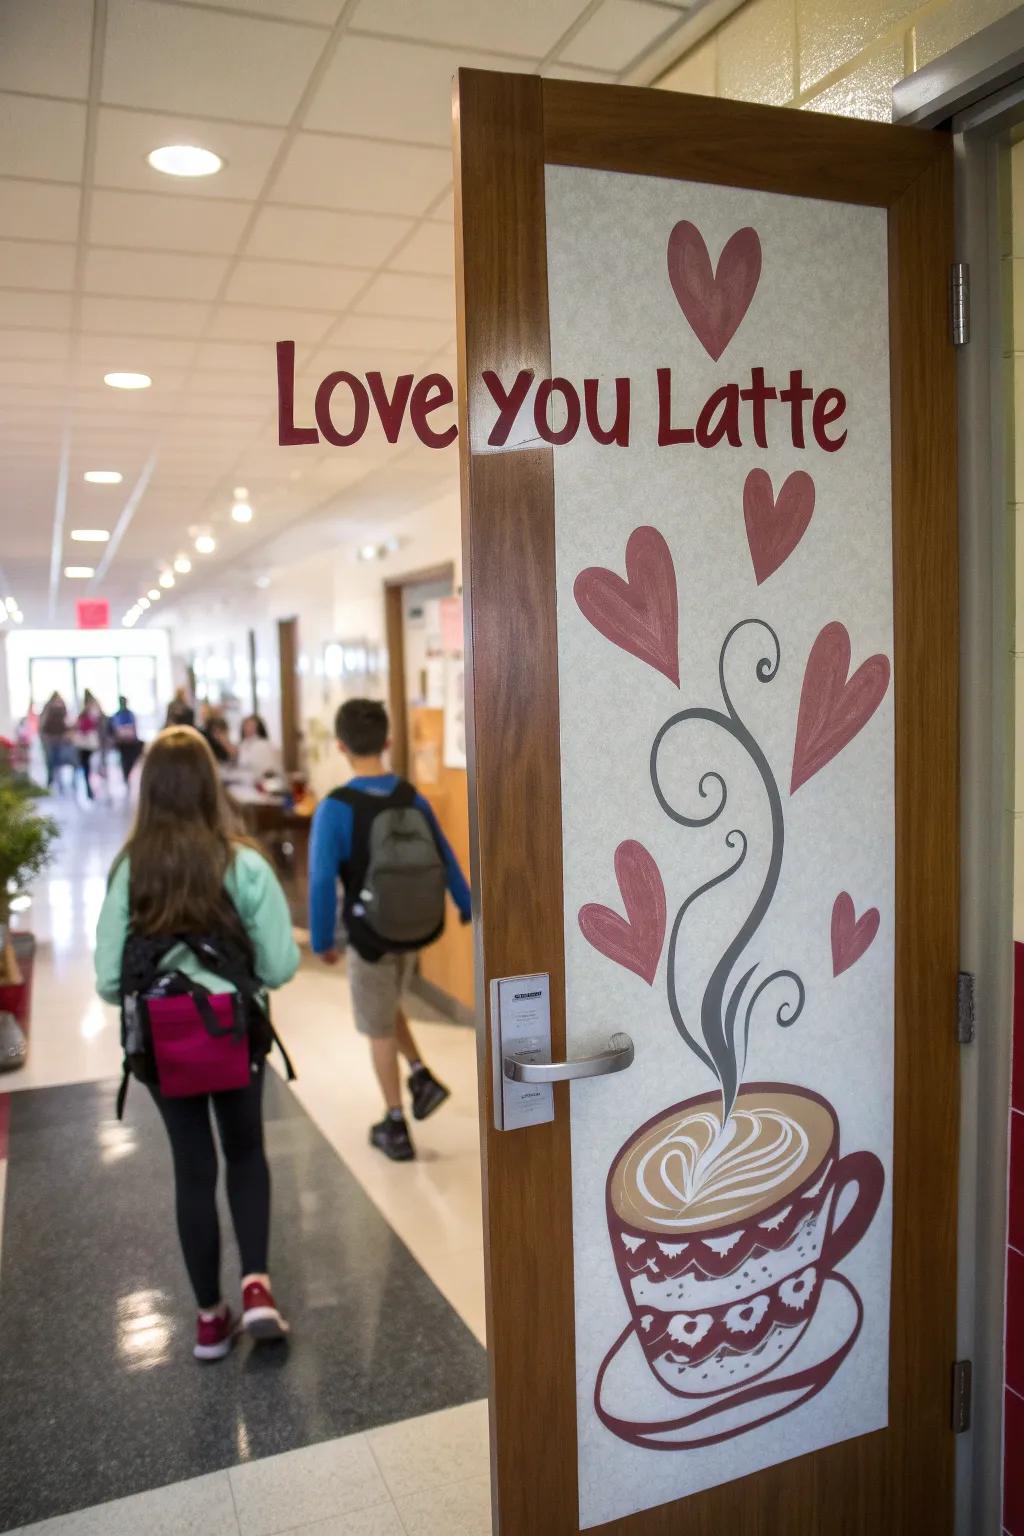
(724, 1239)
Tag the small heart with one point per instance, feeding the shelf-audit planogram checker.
(641, 613)
(714, 302)
(775, 524)
(636, 940)
(851, 935)
(833, 708)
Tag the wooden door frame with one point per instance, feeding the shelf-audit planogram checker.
(288, 665)
(507, 127)
(394, 632)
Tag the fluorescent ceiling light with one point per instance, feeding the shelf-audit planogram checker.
(182, 565)
(127, 380)
(184, 160)
(154, 594)
(103, 476)
(205, 544)
(90, 535)
(241, 512)
(166, 580)
(79, 572)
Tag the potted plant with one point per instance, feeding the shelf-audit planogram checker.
(26, 847)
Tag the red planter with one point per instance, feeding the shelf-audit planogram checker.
(17, 999)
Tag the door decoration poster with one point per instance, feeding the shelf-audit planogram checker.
(726, 716)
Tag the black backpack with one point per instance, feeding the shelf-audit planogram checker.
(143, 974)
(395, 880)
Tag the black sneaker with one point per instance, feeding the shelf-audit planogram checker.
(427, 1093)
(392, 1138)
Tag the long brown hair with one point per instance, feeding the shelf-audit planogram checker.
(183, 840)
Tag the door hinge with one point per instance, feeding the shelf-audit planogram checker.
(965, 1017)
(961, 1397)
(959, 303)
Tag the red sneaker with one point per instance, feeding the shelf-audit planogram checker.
(215, 1336)
(260, 1316)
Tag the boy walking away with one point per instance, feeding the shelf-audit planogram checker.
(382, 840)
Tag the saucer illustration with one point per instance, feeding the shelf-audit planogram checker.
(636, 1407)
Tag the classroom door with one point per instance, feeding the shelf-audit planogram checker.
(707, 435)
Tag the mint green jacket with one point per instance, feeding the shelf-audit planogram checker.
(259, 901)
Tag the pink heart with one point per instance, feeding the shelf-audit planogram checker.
(851, 935)
(832, 708)
(635, 940)
(775, 524)
(713, 302)
(640, 613)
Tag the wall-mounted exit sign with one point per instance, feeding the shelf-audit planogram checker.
(92, 613)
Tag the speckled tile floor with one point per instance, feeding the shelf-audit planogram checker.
(99, 1398)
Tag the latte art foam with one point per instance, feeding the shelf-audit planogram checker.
(689, 1174)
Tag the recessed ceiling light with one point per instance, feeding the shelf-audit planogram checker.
(205, 544)
(368, 552)
(166, 580)
(241, 512)
(90, 535)
(103, 476)
(127, 380)
(11, 604)
(78, 572)
(263, 581)
(184, 160)
(18, 616)
(143, 603)
(182, 565)
(154, 594)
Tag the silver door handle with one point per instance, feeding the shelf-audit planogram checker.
(616, 1057)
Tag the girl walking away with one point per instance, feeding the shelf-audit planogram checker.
(193, 931)
(88, 738)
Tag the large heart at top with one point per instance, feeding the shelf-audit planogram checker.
(851, 935)
(714, 302)
(833, 708)
(636, 940)
(640, 613)
(775, 524)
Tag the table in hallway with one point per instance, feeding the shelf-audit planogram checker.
(278, 826)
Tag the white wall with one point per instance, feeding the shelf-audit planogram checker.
(337, 598)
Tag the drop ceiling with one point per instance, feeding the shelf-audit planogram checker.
(330, 223)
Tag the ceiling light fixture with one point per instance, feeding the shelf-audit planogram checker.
(205, 544)
(184, 160)
(127, 380)
(263, 582)
(167, 580)
(90, 535)
(241, 512)
(103, 476)
(18, 616)
(241, 493)
(154, 594)
(79, 572)
(11, 604)
(143, 603)
(368, 552)
(182, 564)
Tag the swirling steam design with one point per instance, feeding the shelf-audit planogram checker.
(725, 1021)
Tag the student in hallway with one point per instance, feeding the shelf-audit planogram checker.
(124, 733)
(184, 879)
(382, 840)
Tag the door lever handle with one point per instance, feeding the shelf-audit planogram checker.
(616, 1057)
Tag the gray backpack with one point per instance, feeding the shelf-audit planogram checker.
(395, 879)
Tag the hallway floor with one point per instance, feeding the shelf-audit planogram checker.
(371, 1421)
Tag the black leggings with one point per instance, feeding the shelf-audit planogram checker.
(239, 1115)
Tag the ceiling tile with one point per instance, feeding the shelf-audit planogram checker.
(41, 138)
(361, 174)
(39, 210)
(28, 344)
(234, 354)
(374, 331)
(289, 282)
(388, 362)
(31, 264)
(133, 317)
(146, 221)
(151, 274)
(444, 213)
(124, 139)
(578, 72)
(617, 33)
(431, 249)
(45, 48)
(180, 59)
(315, 234)
(261, 382)
(240, 322)
(36, 311)
(403, 293)
(416, 104)
(324, 12)
(132, 354)
(530, 26)
(33, 370)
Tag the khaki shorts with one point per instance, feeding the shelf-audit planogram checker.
(377, 990)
